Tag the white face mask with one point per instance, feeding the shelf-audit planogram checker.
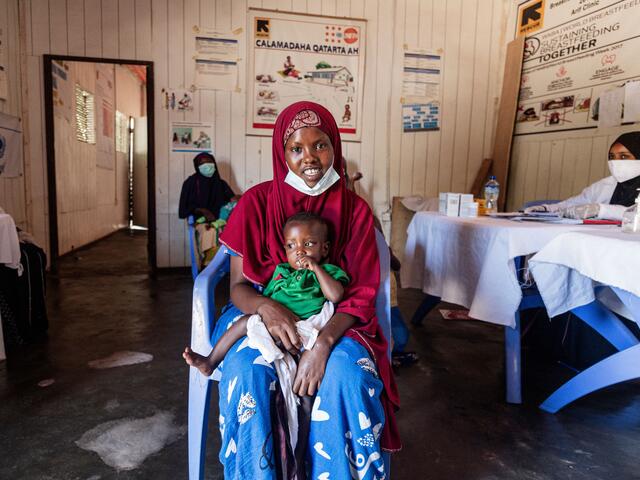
(623, 170)
(325, 183)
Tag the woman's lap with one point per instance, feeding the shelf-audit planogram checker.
(348, 402)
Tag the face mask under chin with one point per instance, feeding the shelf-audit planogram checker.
(624, 170)
(328, 179)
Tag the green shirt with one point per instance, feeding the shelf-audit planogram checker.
(299, 290)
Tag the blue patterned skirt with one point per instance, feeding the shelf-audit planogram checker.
(346, 419)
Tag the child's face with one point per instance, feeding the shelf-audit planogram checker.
(307, 239)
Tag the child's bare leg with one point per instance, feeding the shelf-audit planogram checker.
(198, 361)
(207, 365)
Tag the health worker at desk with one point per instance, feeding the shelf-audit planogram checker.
(609, 197)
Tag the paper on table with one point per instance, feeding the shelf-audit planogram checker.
(632, 102)
(610, 108)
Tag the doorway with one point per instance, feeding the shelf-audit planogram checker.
(100, 152)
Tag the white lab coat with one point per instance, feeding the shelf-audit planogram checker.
(599, 192)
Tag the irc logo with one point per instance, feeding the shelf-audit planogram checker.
(530, 17)
(262, 28)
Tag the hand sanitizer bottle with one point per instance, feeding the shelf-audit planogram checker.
(631, 217)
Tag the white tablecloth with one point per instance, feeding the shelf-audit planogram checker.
(9, 243)
(569, 267)
(470, 261)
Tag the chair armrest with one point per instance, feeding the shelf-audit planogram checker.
(203, 310)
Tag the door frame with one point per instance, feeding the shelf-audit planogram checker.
(51, 154)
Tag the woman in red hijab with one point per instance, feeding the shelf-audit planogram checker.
(346, 376)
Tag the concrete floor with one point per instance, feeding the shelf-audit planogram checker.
(454, 422)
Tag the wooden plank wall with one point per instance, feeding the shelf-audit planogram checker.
(471, 33)
(12, 190)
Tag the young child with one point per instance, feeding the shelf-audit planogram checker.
(303, 284)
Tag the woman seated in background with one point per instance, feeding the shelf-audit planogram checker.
(210, 200)
(609, 197)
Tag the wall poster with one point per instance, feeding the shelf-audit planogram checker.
(216, 59)
(189, 137)
(575, 52)
(304, 57)
(421, 85)
(63, 91)
(105, 116)
(4, 82)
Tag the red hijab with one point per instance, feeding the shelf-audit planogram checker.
(254, 231)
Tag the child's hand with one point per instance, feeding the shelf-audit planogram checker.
(307, 263)
(311, 370)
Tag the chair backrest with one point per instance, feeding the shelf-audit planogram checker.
(193, 247)
(383, 299)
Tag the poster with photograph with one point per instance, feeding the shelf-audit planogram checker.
(191, 137)
(304, 57)
(216, 59)
(576, 52)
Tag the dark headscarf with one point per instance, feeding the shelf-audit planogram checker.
(199, 191)
(626, 192)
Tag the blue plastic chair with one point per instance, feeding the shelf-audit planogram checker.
(619, 367)
(193, 247)
(203, 318)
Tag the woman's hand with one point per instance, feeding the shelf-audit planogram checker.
(281, 324)
(311, 370)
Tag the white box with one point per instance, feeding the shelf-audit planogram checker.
(466, 198)
(442, 203)
(453, 205)
(469, 209)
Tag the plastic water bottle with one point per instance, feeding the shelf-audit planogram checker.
(491, 194)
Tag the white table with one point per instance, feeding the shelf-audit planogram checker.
(569, 271)
(471, 262)
(9, 256)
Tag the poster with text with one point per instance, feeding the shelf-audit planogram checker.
(577, 54)
(305, 57)
(216, 59)
(105, 116)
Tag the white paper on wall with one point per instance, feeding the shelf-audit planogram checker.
(610, 108)
(632, 102)
(215, 60)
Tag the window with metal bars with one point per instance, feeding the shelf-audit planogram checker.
(85, 116)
